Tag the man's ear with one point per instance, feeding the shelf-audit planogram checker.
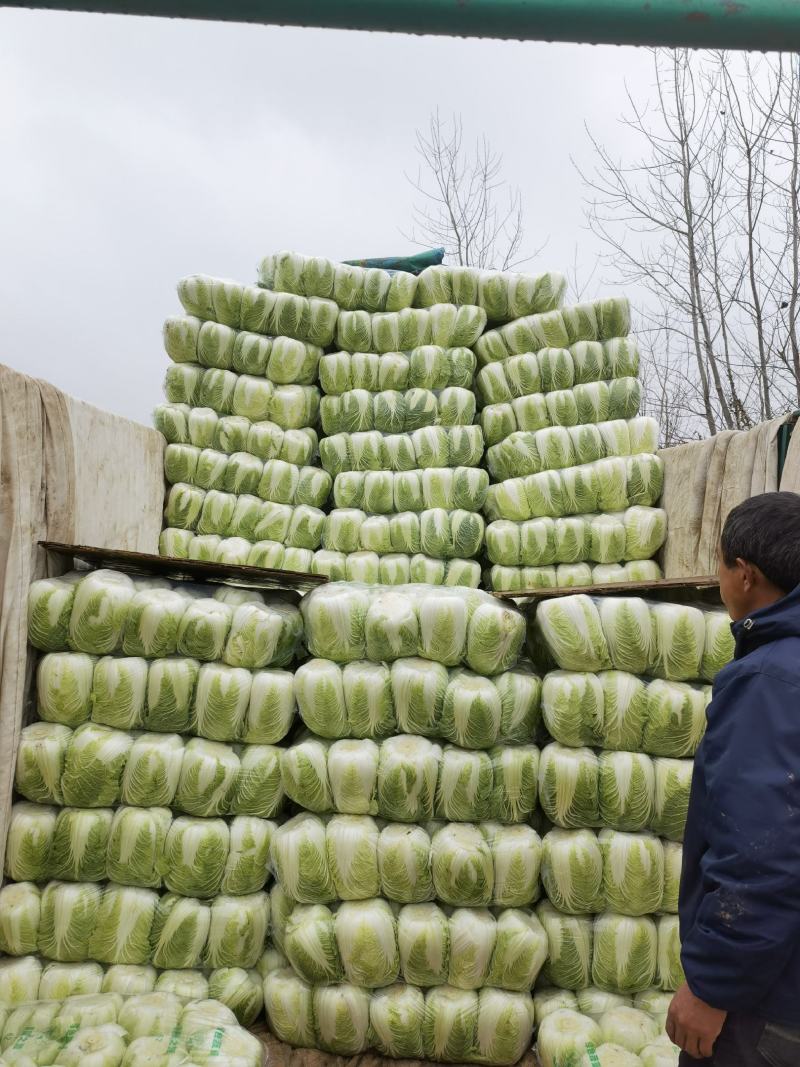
(749, 575)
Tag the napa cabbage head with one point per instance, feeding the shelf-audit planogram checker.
(396, 1016)
(628, 1027)
(366, 935)
(563, 1037)
(289, 1007)
(625, 952)
(571, 630)
(31, 830)
(570, 941)
(404, 863)
(341, 1016)
(572, 870)
(351, 843)
(627, 790)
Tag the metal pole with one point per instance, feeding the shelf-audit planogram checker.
(757, 25)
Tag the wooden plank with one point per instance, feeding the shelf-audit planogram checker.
(613, 588)
(145, 563)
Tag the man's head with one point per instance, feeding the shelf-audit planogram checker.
(759, 552)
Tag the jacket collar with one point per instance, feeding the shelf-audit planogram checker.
(781, 619)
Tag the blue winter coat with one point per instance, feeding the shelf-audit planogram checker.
(740, 888)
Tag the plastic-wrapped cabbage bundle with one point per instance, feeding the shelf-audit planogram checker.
(504, 295)
(572, 871)
(64, 687)
(673, 780)
(571, 630)
(670, 969)
(440, 324)
(676, 719)
(351, 287)
(448, 626)
(633, 872)
(31, 830)
(152, 770)
(20, 916)
(628, 1027)
(547, 1000)
(627, 790)
(718, 646)
(563, 1037)
(625, 953)
(569, 786)
(570, 939)
(572, 707)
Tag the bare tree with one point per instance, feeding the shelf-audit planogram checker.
(705, 224)
(465, 205)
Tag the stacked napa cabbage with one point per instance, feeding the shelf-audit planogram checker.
(626, 709)
(110, 1029)
(575, 474)
(240, 424)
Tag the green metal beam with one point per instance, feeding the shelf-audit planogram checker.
(758, 25)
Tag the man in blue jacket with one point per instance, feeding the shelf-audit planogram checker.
(740, 889)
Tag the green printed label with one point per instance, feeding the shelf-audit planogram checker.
(591, 1052)
(23, 1037)
(174, 1039)
(216, 1044)
(71, 1032)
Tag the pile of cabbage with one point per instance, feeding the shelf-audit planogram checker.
(624, 696)
(109, 1029)
(618, 1035)
(574, 470)
(27, 978)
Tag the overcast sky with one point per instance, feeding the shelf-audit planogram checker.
(135, 151)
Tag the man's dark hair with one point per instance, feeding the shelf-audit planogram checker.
(765, 531)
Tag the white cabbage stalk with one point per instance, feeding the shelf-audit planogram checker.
(680, 638)
(471, 711)
(570, 941)
(628, 1027)
(304, 772)
(50, 603)
(78, 852)
(246, 868)
(129, 980)
(673, 861)
(629, 629)
(170, 694)
(633, 872)
(625, 953)
(515, 772)
(368, 698)
(152, 770)
(19, 980)
(238, 930)
(94, 764)
(660, 1053)
(62, 980)
(366, 935)
(404, 863)
(572, 870)
(150, 1014)
(572, 707)
(320, 698)
(408, 771)
(20, 916)
(195, 856)
(625, 709)
(676, 718)
(41, 758)
(310, 944)
(351, 843)
(626, 790)
(119, 691)
(341, 1017)
(569, 786)
(423, 936)
(238, 989)
(563, 1037)
(596, 1002)
(719, 644)
(461, 865)
(289, 1008)
(64, 687)
(516, 861)
(221, 699)
(125, 920)
(450, 1025)
(203, 629)
(396, 1016)
(95, 1046)
(151, 626)
(573, 634)
(99, 612)
(68, 920)
(505, 1025)
(546, 1001)
(30, 836)
(208, 777)
(300, 860)
(670, 969)
(520, 951)
(259, 786)
(465, 785)
(180, 931)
